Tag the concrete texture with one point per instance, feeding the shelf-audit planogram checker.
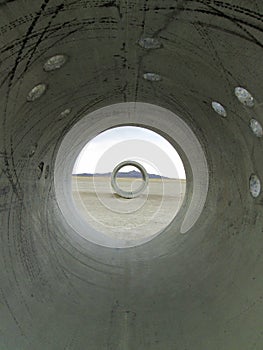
(199, 290)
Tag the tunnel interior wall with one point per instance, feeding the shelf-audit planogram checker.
(199, 290)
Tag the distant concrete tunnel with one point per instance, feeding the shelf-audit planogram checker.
(189, 70)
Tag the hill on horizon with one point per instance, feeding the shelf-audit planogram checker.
(129, 174)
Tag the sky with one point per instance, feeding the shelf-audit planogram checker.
(108, 149)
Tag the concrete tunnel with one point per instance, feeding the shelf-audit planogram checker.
(190, 70)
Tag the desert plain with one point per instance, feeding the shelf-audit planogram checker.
(129, 219)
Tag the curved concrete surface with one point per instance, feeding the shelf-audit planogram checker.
(198, 290)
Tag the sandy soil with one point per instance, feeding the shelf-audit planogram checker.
(121, 218)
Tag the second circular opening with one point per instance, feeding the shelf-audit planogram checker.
(135, 180)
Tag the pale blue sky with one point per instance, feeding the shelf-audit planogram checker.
(111, 147)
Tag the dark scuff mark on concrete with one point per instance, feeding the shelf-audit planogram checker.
(109, 4)
(46, 171)
(4, 2)
(59, 8)
(40, 169)
(4, 190)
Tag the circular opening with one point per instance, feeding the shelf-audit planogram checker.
(219, 109)
(149, 43)
(54, 63)
(81, 196)
(129, 179)
(254, 185)
(36, 92)
(256, 128)
(244, 96)
(134, 178)
(152, 76)
(128, 183)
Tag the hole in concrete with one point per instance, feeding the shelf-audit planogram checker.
(153, 119)
(152, 76)
(219, 109)
(54, 63)
(244, 96)
(254, 185)
(149, 43)
(106, 207)
(256, 127)
(129, 178)
(36, 92)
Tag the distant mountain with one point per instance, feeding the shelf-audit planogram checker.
(131, 174)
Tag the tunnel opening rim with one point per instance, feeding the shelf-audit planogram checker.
(127, 109)
(129, 194)
(180, 153)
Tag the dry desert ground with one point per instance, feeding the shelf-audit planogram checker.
(120, 218)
